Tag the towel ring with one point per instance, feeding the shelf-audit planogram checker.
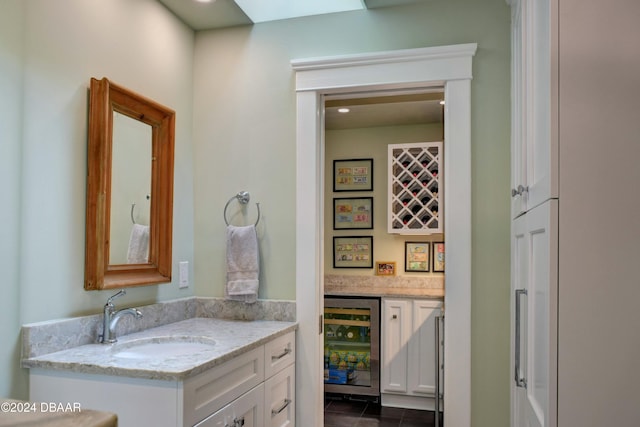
(243, 198)
(133, 206)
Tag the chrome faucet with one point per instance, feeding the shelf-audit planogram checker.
(112, 317)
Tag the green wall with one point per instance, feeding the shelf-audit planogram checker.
(233, 91)
(244, 134)
(48, 52)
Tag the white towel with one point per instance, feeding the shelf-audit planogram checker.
(138, 251)
(242, 264)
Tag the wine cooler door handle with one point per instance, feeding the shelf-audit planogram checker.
(520, 380)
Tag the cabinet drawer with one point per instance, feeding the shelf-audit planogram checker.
(206, 393)
(279, 392)
(246, 411)
(279, 353)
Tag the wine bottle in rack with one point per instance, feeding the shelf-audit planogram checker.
(415, 209)
(406, 219)
(405, 201)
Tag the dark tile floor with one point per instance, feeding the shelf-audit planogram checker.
(345, 413)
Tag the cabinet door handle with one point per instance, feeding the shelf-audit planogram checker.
(275, 412)
(281, 355)
(520, 381)
(238, 422)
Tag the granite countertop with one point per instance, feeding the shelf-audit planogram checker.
(232, 338)
(378, 286)
(391, 292)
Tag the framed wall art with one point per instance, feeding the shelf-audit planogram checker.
(353, 213)
(352, 252)
(438, 257)
(416, 256)
(385, 268)
(353, 175)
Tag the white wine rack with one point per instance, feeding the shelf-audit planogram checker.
(415, 188)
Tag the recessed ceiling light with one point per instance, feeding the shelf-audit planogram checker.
(205, 1)
(343, 110)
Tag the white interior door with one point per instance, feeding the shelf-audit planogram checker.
(534, 292)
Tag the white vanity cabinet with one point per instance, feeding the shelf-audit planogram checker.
(255, 388)
(408, 352)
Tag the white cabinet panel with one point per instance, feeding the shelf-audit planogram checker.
(279, 353)
(280, 399)
(408, 352)
(396, 331)
(534, 146)
(534, 311)
(422, 378)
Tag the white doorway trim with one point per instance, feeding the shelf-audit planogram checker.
(448, 66)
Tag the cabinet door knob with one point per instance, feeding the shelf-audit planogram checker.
(395, 316)
(519, 191)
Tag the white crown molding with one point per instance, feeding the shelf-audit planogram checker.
(431, 64)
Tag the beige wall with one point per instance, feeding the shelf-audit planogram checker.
(372, 143)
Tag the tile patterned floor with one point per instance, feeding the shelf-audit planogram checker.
(344, 413)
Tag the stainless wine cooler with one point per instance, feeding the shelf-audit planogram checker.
(352, 346)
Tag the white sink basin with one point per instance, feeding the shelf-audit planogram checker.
(163, 347)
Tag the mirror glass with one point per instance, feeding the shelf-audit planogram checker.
(129, 189)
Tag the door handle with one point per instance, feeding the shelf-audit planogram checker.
(520, 380)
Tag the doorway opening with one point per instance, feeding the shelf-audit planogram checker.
(398, 212)
(449, 67)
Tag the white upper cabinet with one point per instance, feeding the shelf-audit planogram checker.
(416, 187)
(534, 143)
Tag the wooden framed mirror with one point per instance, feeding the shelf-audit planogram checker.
(129, 216)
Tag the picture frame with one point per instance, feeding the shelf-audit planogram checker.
(438, 257)
(385, 268)
(417, 257)
(353, 175)
(353, 252)
(352, 213)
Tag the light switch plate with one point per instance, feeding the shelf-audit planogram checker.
(184, 274)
